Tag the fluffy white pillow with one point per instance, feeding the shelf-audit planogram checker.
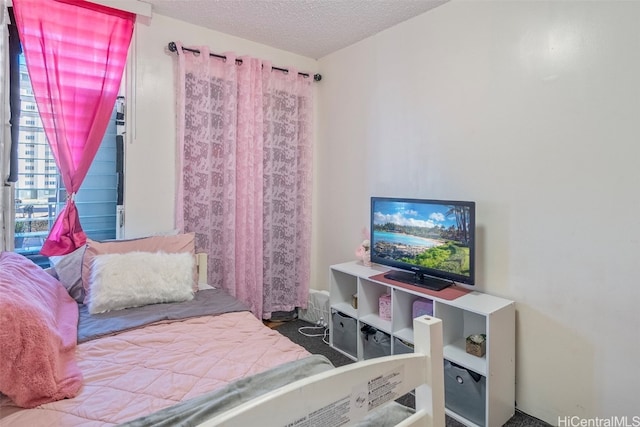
(169, 244)
(135, 279)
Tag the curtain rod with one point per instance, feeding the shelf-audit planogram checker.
(174, 48)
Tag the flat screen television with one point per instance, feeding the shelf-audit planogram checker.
(428, 243)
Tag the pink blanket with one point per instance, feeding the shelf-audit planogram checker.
(38, 329)
(137, 372)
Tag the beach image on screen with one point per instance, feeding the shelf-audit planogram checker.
(435, 236)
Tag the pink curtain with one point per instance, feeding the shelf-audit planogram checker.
(244, 176)
(288, 155)
(75, 53)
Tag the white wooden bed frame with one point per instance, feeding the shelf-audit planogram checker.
(343, 396)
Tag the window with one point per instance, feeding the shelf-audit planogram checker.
(39, 193)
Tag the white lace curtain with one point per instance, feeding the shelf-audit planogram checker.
(245, 171)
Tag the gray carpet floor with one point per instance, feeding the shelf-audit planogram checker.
(311, 338)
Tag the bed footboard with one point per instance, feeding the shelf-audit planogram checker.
(346, 395)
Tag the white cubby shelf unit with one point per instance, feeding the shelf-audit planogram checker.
(354, 300)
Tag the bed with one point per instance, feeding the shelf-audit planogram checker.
(199, 360)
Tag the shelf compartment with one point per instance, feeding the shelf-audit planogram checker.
(401, 347)
(369, 299)
(375, 343)
(465, 392)
(343, 287)
(377, 322)
(458, 325)
(344, 333)
(402, 309)
(457, 352)
(345, 308)
(405, 334)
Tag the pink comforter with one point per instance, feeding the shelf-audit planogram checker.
(141, 371)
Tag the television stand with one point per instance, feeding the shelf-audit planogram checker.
(354, 302)
(419, 279)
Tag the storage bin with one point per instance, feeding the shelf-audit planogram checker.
(400, 347)
(344, 330)
(422, 307)
(375, 343)
(465, 392)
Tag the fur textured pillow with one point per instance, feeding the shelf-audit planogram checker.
(135, 279)
(170, 244)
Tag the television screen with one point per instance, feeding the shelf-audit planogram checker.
(429, 242)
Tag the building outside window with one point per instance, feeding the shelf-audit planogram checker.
(39, 192)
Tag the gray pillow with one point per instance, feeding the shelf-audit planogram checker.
(68, 268)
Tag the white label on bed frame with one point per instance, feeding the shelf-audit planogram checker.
(334, 414)
(363, 398)
(382, 389)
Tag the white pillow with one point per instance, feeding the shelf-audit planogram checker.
(135, 279)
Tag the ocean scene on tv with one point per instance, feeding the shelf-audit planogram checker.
(435, 236)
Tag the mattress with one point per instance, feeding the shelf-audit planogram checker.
(131, 374)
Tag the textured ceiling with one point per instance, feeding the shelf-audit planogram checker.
(312, 28)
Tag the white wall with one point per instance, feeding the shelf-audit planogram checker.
(532, 109)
